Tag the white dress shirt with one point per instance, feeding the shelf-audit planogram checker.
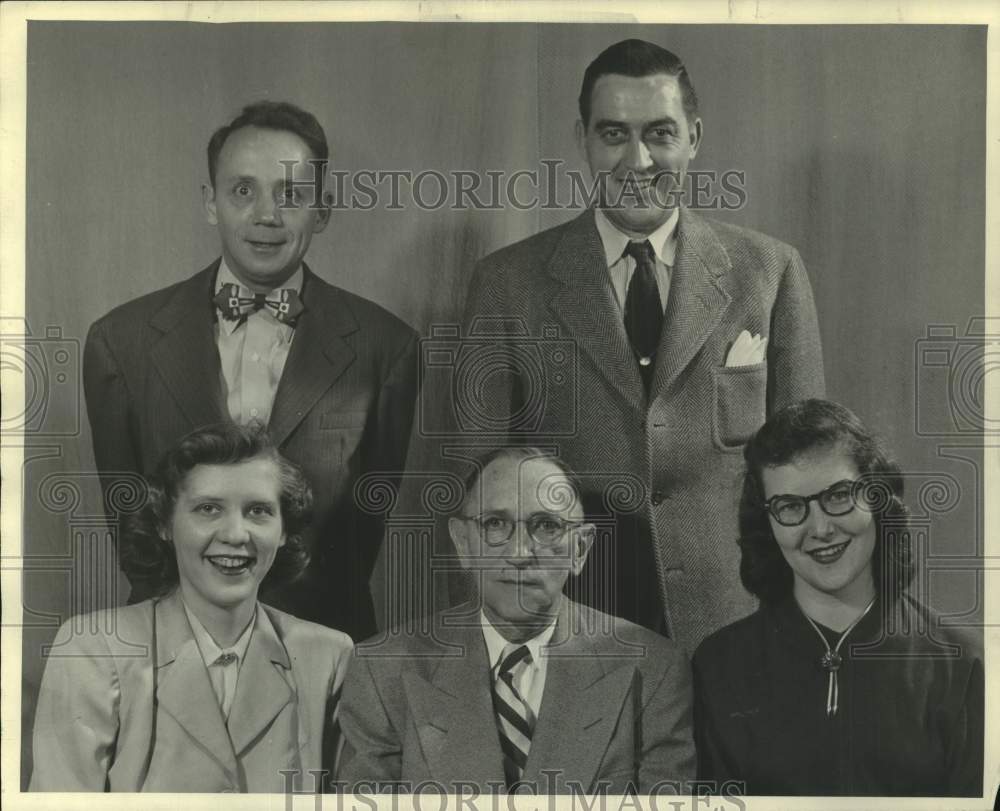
(252, 354)
(530, 679)
(223, 674)
(621, 267)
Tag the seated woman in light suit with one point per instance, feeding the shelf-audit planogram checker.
(842, 683)
(201, 688)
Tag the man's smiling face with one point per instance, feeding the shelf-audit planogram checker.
(638, 143)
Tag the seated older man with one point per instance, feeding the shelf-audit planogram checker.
(523, 689)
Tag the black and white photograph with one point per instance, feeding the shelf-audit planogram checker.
(563, 408)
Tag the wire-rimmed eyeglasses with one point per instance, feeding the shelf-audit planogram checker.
(545, 529)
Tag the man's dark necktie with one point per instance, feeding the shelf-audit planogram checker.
(236, 302)
(515, 721)
(643, 311)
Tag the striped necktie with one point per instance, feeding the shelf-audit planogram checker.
(515, 720)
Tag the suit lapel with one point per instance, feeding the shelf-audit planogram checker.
(318, 356)
(580, 707)
(453, 713)
(583, 298)
(186, 356)
(697, 301)
(183, 688)
(261, 691)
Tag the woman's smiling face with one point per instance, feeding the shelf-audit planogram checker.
(226, 529)
(829, 555)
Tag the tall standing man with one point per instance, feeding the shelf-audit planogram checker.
(688, 333)
(258, 337)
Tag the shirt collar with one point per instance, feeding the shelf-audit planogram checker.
(209, 650)
(226, 276)
(663, 239)
(496, 642)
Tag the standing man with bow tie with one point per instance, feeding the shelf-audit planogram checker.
(688, 333)
(258, 337)
(521, 689)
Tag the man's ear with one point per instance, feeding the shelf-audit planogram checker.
(582, 541)
(695, 135)
(208, 201)
(459, 532)
(322, 217)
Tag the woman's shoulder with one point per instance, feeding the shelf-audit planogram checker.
(733, 641)
(305, 634)
(922, 629)
(116, 630)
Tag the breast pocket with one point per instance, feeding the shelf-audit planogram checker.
(740, 404)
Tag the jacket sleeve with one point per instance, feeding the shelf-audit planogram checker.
(795, 356)
(965, 746)
(667, 755)
(108, 404)
(372, 749)
(77, 719)
(333, 738)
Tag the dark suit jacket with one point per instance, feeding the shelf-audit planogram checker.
(669, 466)
(343, 408)
(126, 704)
(616, 709)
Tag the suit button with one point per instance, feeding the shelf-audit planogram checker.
(658, 497)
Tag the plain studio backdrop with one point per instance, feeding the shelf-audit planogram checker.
(864, 147)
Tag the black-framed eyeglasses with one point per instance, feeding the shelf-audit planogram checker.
(544, 529)
(790, 511)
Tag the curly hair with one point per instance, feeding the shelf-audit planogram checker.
(149, 560)
(796, 431)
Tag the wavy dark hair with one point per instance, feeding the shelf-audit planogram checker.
(149, 560)
(796, 431)
(636, 58)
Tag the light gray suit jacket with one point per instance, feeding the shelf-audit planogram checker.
(615, 712)
(126, 704)
(674, 458)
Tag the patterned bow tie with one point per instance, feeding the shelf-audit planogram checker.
(236, 302)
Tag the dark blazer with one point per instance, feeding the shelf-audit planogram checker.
(126, 704)
(343, 408)
(616, 709)
(666, 468)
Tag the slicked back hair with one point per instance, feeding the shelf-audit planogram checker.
(637, 58)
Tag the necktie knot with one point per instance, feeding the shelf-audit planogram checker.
(236, 302)
(641, 252)
(515, 720)
(512, 656)
(226, 658)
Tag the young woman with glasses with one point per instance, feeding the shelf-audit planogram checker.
(842, 683)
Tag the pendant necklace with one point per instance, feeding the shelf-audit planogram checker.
(831, 660)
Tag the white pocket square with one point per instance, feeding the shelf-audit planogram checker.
(747, 350)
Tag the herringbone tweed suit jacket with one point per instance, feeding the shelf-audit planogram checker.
(671, 462)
